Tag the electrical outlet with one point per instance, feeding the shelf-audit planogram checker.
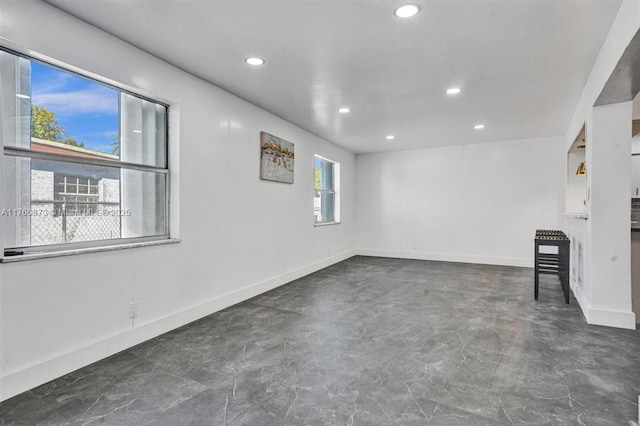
(133, 309)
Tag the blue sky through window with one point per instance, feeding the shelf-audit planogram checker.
(87, 111)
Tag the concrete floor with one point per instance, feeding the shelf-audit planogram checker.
(365, 342)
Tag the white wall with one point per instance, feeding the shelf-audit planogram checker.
(240, 236)
(605, 296)
(469, 203)
(580, 270)
(609, 226)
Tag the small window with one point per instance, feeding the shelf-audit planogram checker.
(326, 202)
(83, 161)
(75, 195)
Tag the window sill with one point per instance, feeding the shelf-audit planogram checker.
(325, 223)
(59, 253)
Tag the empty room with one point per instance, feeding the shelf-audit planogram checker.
(320, 212)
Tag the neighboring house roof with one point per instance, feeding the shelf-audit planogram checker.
(42, 145)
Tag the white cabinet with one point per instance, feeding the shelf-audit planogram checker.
(635, 176)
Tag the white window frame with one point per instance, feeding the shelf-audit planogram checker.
(171, 234)
(335, 190)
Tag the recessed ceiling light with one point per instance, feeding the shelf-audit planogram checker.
(407, 11)
(137, 131)
(344, 110)
(453, 91)
(21, 96)
(390, 137)
(254, 60)
(478, 126)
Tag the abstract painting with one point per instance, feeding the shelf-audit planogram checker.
(276, 158)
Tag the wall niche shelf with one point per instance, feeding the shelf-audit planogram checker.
(577, 169)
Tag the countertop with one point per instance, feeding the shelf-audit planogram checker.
(635, 225)
(577, 215)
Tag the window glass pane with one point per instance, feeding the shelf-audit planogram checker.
(144, 200)
(323, 206)
(50, 209)
(17, 202)
(327, 175)
(73, 115)
(15, 93)
(323, 174)
(144, 131)
(317, 213)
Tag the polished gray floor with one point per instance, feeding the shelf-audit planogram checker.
(369, 341)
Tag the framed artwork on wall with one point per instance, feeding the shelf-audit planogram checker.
(276, 158)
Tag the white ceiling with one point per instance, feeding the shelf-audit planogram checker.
(521, 64)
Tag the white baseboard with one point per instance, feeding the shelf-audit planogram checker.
(34, 375)
(610, 318)
(582, 300)
(446, 257)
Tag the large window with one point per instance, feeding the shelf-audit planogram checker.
(83, 161)
(326, 203)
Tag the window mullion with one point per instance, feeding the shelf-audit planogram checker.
(21, 152)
